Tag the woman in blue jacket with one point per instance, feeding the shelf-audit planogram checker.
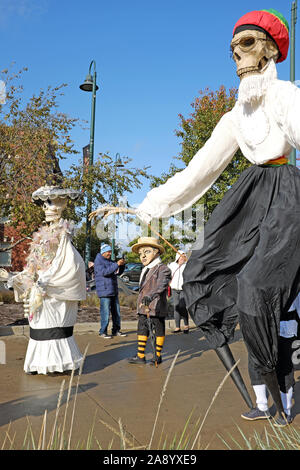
(106, 272)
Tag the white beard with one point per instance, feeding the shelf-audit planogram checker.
(254, 87)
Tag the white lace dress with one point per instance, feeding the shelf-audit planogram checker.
(52, 347)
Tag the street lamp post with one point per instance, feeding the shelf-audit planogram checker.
(91, 86)
(118, 164)
(292, 61)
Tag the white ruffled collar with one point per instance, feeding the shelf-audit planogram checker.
(153, 263)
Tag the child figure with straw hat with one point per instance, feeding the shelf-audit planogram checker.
(152, 305)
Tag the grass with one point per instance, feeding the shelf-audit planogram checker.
(7, 297)
(128, 301)
(92, 300)
(272, 438)
(60, 436)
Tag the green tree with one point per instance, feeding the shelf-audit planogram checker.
(194, 131)
(106, 186)
(33, 137)
(167, 257)
(103, 182)
(79, 242)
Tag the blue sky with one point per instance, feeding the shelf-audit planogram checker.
(152, 58)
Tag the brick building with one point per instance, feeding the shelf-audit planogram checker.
(13, 259)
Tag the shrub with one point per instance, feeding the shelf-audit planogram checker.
(128, 301)
(92, 300)
(7, 297)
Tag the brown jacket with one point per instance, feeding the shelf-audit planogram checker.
(155, 286)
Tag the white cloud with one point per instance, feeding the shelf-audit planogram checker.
(26, 9)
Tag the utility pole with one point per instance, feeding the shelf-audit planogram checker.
(91, 86)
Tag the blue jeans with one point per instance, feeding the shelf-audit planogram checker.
(107, 305)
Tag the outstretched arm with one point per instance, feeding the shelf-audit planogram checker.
(188, 185)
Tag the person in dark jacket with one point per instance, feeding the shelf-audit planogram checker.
(106, 280)
(152, 306)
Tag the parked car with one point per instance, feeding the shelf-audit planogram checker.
(132, 272)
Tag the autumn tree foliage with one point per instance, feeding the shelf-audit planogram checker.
(32, 132)
(34, 138)
(194, 131)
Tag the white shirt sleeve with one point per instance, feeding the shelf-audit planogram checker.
(285, 105)
(187, 186)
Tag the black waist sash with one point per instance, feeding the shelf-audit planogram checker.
(46, 334)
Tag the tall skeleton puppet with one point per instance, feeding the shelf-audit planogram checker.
(248, 268)
(51, 284)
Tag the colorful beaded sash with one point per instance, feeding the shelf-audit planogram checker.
(277, 161)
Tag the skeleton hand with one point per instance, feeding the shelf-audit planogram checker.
(106, 211)
(146, 300)
(4, 275)
(101, 210)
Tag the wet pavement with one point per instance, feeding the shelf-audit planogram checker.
(112, 397)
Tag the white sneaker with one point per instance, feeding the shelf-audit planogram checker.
(104, 335)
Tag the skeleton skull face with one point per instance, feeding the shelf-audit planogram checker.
(53, 209)
(148, 254)
(251, 51)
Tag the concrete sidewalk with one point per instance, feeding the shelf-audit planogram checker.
(110, 390)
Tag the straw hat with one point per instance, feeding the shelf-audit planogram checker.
(148, 241)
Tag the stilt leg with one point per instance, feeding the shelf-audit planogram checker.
(225, 355)
(271, 382)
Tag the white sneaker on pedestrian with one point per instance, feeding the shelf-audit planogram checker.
(119, 333)
(104, 335)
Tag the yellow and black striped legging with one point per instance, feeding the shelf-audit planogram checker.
(143, 334)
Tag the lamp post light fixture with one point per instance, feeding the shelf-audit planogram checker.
(118, 164)
(91, 86)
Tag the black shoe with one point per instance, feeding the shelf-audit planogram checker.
(186, 331)
(119, 333)
(158, 361)
(282, 421)
(255, 414)
(176, 331)
(137, 360)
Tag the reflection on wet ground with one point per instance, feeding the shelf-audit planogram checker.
(110, 389)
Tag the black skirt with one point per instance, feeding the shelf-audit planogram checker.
(248, 269)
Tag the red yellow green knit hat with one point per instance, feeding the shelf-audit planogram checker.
(273, 23)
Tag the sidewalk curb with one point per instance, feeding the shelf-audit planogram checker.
(23, 330)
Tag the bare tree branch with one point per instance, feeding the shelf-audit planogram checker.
(2, 250)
